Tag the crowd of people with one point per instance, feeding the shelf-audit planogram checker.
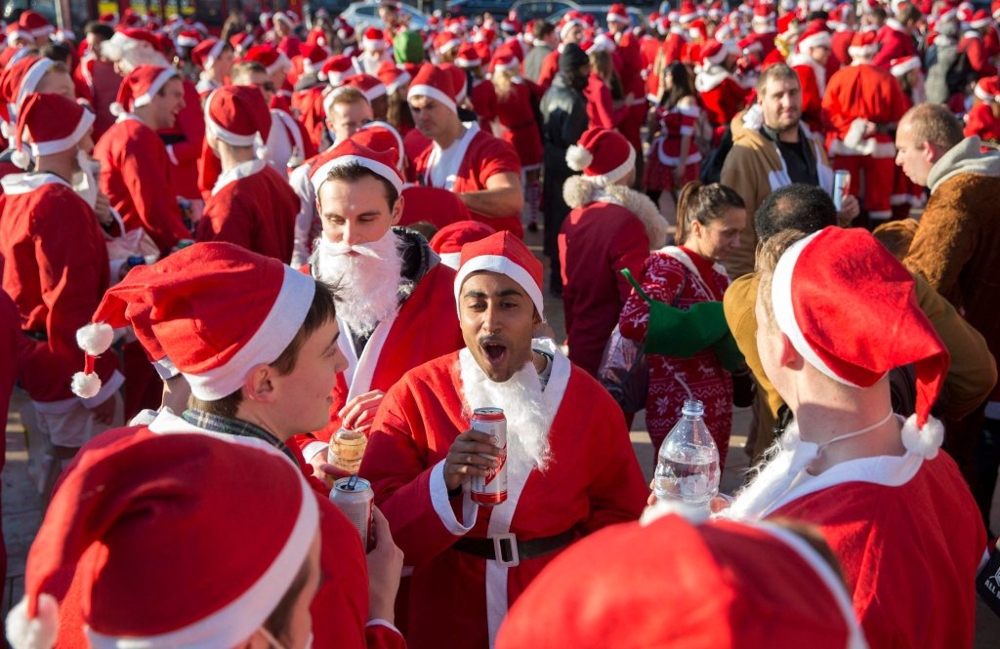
(219, 252)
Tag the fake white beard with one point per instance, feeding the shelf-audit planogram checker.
(523, 403)
(85, 181)
(783, 461)
(368, 285)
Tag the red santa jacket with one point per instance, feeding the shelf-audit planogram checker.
(135, 175)
(862, 91)
(425, 327)
(458, 600)
(485, 102)
(982, 122)
(813, 81)
(339, 609)
(674, 46)
(894, 43)
(901, 527)
(975, 50)
(721, 95)
(550, 66)
(56, 271)
(840, 43)
(309, 104)
(184, 142)
(484, 156)
(516, 114)
(252, 206)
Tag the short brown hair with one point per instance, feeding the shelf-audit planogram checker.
(776, 71)
(704, 204)
(346, 95)
(243, 71)
(352, 172)
(934, 123)
(321, 311)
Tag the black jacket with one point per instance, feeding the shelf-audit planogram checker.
(564, 114)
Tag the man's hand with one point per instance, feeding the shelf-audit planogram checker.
(323, 470)
(104, 413)
(359, 412)
(678, 178)
(473, 453)
(385, 565)
(849, 209)
(102, 209)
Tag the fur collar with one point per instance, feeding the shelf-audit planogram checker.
(578, 192)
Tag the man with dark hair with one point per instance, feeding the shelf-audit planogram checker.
(564, 119)
(544, 42)
(895, 37)
(395, 305)
(956, 244)
(809, 209)
(772, 148)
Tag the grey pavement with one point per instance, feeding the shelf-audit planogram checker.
(22, 508)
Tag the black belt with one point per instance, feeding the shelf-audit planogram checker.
(487, 548)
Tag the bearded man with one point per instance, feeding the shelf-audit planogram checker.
(570, 466)
(394, 303)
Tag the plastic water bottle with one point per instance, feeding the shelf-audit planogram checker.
(687, 468)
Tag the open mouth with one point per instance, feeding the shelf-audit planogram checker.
(495, 352)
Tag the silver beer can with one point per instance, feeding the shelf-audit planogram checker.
(492, 489)
(354, 497)
(841, 187)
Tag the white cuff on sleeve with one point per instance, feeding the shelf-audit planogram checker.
(312, 448)
(380, 622)
(442, 505)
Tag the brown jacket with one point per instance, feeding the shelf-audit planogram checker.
(971, 375)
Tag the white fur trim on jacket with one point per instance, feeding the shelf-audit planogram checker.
(578, 192)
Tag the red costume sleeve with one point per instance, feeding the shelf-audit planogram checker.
(142, 167)
(191, 123)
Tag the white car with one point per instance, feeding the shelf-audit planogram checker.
(362, 15)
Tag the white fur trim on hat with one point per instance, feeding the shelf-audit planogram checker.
(271, 338)
(821, 39)
(863, 51)
(31, 80)
(432, 92)
(398, 83)
(213, 54)
(784, 313)
(383, 171)
(514, 64)
(503, 266)
(912, 63)
(925, 441)
(37, 633)
(613, 176)
(155, 87)
(237, 620)
(63, 144)
(719, 56)
(983, 95)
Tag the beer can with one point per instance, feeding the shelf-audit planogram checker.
(492, 489)
(356, 499)
(841, 186)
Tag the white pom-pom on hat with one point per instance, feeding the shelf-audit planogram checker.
(95, 338)
(37, 633)
(578, 158)
(262, 152)
(21, 159)
(925, 441)
(86, 385)
(116, 109)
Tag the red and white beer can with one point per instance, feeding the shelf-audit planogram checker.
(491, 490)
(356, 499)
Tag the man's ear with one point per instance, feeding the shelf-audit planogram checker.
(789, 356)
(259, 384)
(397, 210)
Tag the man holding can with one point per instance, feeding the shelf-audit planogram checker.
(570, 466)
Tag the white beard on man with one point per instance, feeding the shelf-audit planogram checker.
(521, 399)
(368, 283)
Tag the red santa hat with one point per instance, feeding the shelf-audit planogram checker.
(16, 35)
(965, 11)
(382, 137)
(373, 40)
(815, 291)
(134, 37)
(347, 34)
(459, 80)
(393, 76)
(903, 66)
(987, 89)
(241, 42)
(311, 59)
(212, 340)
(236, 115)
(567, 26)
(51, 124)
(337, 68)
(145, 521)
(20, 80)
(468, 57)
(863, 45)
(371, 87)
(207, 52)
(35, 24)
(449, 240)
(619, 14)
(188, 38)
(287, 18)
(384, 164)
(269, 56)
(687, 14)
(763, 14)
(64, 35)
(604, 156)
(506, 254)
(713, 53)
(995, 9)
(140, 86)
(980, 19)
(816, 34)
(511, 26)
(601, 43)
(436, 83)
(445, 42)
(505, 63)
(714, 591)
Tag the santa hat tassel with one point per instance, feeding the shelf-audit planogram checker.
(578, 158)
(21, 159)
(923, 440)
(38, 632)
